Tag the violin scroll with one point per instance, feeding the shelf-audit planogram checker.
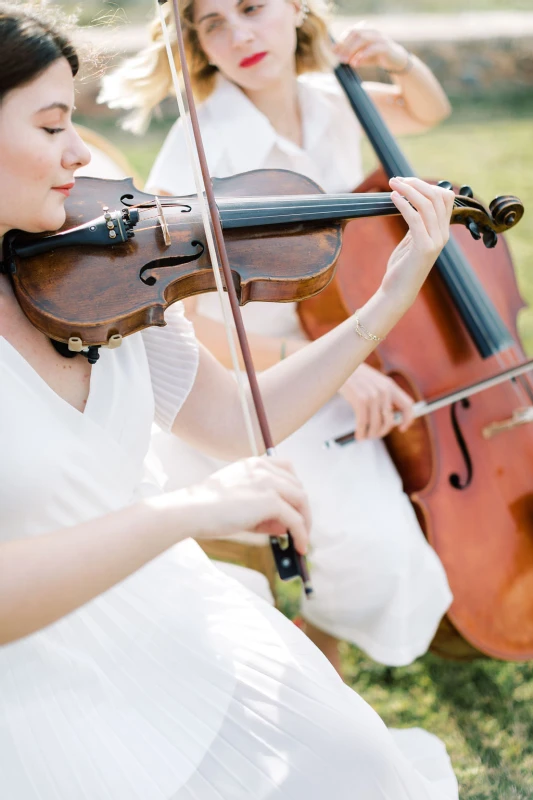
(504, 213)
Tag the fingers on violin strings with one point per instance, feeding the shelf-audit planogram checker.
(426, 200)
(408, 212)
(442, 200)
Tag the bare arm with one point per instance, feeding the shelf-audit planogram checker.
(266, 350)
(46, 577)
(294, 389)
(43, 578)
(291, 390)
(416, 100)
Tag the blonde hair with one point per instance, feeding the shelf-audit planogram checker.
(145, 80)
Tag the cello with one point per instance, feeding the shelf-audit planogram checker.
(468, 468)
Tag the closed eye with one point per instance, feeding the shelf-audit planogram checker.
(52, 131)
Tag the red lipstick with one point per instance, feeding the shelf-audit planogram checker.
(251, 60)
(64, 189)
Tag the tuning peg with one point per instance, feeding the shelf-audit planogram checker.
(445, 185)
(466, 191)
(490, 239)
(473, 228)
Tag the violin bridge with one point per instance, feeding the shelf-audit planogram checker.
(520, 417)
(163, 222)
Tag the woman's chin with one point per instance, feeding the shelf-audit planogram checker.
(51, 221)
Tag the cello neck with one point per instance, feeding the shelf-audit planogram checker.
(480, 317)
(385, 146)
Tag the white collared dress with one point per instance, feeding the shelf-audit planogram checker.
(178, 683)
(378, 583)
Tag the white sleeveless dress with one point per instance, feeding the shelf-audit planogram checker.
(177, 684)
(378, 583)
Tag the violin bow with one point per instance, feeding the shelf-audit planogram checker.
(289, 562)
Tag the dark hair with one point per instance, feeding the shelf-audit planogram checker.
(28, 46)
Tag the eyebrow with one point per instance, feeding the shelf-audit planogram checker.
(52, 106)
(216, 13)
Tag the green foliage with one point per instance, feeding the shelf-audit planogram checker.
(483, 712)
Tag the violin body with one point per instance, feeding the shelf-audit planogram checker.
(99, 294)
(123, 256)
(471, 483)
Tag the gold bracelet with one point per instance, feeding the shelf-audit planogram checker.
(363, 333)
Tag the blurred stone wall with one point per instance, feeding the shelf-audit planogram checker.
(471, 54)
(480, 66)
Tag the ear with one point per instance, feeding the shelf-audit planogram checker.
(301, 10)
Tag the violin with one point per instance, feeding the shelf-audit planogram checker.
(123, 256)
(468, 465)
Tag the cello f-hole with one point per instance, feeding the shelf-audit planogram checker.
(455, 479)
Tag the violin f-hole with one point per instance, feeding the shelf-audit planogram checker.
(455, 479)
(147, 275)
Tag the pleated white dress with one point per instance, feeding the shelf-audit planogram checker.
(378, 583)
(178, 684)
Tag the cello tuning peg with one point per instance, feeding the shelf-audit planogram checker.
(490, 239)
(466, 191)
(445, 185)
(473, 227)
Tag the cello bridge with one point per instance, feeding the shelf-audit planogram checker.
(521, 416)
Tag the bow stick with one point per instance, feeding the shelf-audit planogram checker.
(289, 563)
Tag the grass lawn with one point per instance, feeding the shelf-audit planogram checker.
(483, 710)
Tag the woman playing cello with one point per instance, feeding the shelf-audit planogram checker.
(378, 583)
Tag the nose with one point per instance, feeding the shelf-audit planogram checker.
(240, 33)
(76, 154)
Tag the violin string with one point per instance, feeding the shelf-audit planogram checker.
(200, 189)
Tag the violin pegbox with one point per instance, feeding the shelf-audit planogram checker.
(503, 214)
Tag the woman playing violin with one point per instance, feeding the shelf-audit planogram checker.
(265, 104)
(130, 667)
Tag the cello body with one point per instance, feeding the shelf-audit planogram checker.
(471, 484)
